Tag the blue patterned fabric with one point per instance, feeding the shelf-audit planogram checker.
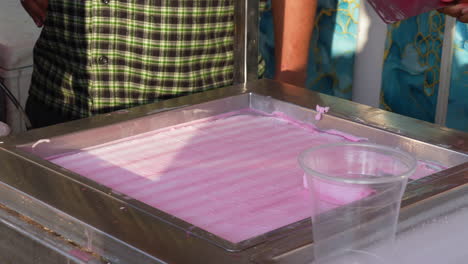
(411, 60)
(332, 50)
(411, 66)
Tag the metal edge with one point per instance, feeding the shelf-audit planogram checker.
(340, 108)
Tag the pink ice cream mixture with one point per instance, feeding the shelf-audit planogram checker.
(234, 175)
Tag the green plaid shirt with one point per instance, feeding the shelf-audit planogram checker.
(97, 56)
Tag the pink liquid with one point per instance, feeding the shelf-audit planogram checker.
(234, 175)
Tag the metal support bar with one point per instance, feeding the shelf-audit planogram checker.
(246, 41)
(445, 71)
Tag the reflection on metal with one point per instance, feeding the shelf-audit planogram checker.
(38, 244)
(83, 210)
(445, 71)
(246, 41)
(57, 237)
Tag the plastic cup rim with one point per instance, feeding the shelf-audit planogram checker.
(394, 178)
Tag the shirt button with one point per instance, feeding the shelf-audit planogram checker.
(103, 60)
(106, 2)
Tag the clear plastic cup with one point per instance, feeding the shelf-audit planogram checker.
(356, 193)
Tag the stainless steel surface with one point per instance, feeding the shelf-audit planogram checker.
(153, 233)
(49, 222)
(26, 244)
(246, 41)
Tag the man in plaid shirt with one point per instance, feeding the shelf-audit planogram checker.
(97, 56)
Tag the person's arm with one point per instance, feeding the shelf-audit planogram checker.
(37, 9)
(293, 22)
(458, 10)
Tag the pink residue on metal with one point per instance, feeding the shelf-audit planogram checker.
(83, 256)
(234, 175)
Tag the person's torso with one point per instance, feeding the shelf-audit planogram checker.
(97, 56)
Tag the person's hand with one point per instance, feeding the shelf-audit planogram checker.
(457, 9)
(37, 9)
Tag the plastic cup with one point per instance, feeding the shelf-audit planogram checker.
(356, 193)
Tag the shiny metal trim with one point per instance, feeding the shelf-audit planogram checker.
(445, 74)
(246, 41)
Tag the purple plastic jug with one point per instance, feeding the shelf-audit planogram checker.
(392, 11)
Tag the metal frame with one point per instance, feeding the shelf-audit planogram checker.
(57, 195)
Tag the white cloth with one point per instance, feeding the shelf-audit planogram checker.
(4, 129)
(18, 33)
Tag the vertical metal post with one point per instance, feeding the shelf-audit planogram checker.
(246, 15)
(445, 71)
